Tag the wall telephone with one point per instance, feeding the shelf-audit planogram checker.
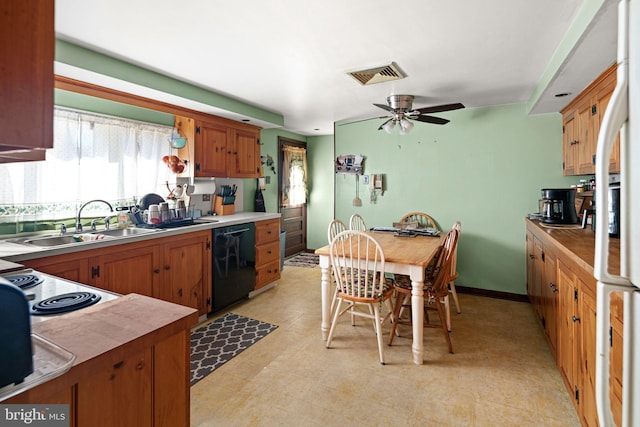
(376, 185)
(376, 181)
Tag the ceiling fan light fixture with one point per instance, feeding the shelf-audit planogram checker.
(405, 126)
(388, 127)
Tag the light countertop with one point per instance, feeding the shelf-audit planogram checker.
(17, 252)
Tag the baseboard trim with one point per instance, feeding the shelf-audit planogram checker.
(491, 294)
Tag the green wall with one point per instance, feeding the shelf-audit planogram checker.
(82, 102)
(68, 53)
(485, 169)
(320, 160)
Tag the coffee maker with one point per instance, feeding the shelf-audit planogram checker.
(558, 206)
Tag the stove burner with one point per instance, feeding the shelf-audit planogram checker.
(64, 303)
(25, 281)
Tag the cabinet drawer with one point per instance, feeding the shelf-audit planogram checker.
(267, 274)
(267, 253)
(267, 231)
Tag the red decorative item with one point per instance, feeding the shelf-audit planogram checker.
(174, 164)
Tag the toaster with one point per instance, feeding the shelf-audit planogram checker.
(16, 357)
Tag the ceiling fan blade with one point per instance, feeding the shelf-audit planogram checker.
(385, 107)
(440, 108)
(431, 119)
(380, 128)
(363, 120)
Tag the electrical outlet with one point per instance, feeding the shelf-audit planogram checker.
(206, 197)
(267, 179)
(365, 179)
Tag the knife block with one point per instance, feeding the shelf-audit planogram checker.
(221, 209)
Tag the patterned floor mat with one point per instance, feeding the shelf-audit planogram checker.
(303, 260)
(217, 342)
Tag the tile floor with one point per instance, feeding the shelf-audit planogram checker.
(502, 373)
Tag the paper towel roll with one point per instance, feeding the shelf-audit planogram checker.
(204, 187)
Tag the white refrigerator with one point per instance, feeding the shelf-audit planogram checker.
(622, 115)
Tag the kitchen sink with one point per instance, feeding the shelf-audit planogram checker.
(70, 239)
(46, 241)
(124, 232)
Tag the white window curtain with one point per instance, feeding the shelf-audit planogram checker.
(295, 176)
(93, 157)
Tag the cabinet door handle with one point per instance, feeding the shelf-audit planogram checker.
(531, 256)
(180, 292)
(156, 270)
(575, 319)
(167, 267)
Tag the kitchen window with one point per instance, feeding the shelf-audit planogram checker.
(295, 176)
(93, 157)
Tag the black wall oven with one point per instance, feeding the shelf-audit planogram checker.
(234, 274)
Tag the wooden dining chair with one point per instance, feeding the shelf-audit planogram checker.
(452, 279)
(435, 290)
(451, 285)
(336, 226)
(421, 218)
(356, 222)
(358, 267)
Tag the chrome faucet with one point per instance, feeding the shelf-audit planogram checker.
(78, 223)
(63, 227)
(106, 222)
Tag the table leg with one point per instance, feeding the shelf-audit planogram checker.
(326, 300)
(417, 316)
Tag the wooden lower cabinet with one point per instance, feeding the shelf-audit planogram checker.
(588, 357)
(139, 377)
(186, 272)
(267, 252)
(125, 387)
(68, 266)
(175, 269)
(568, 330)
(542, 287)
(127, 270)
(577, 341)
(616, 356)
(574, 308)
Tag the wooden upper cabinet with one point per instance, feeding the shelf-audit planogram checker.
(219, 148)
(569, 135)
(244, 160)
(581, 121)
(587, 139)
(600, 105)
(211, 146)
(26, 65)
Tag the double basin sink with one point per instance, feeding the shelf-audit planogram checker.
(49, 240)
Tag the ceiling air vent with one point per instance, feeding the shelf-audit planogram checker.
(381, 74)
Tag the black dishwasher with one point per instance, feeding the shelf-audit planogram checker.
(234, 273)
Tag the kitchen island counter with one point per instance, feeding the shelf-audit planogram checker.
(131, 366)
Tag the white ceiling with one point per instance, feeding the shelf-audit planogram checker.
(291, 56)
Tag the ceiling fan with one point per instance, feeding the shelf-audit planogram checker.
(402, 112)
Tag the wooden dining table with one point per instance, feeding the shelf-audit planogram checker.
(403, 255)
